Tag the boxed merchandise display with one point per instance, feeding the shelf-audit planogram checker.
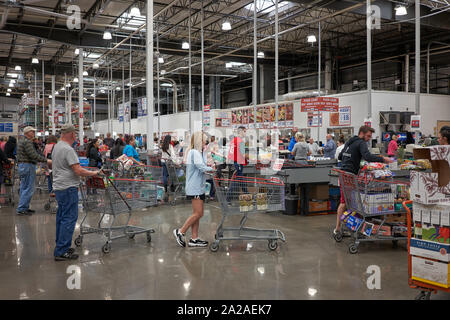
(430, 271)
(319, 191)
(378, 203)
(430, 249)
(245, 202)
(432, 187)
(318, 205)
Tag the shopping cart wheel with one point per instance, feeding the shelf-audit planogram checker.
(78, 241)
(338, 236)
(353, 248)
(173, 202)
(149, 237)
(131, 236)
(214, 247)
(423, 295)
(106, 248)
(273, 245)
(47, 206)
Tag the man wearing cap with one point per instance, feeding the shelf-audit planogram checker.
(66, 173)
(27, 157)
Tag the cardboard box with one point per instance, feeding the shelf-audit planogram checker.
(436, 233)
(318, 205)
(319, 192)
(378, 203)
(430, 249)
(353, 223)
(430, 271)
(432, 187)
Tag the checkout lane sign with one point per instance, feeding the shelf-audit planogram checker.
(327, 104)
(415, 123)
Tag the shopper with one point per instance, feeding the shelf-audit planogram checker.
(300, 151)
(211, 149)
(444, 135)
(168, 155)
(313, 147)
(354, 150)
(236, 154)
(341, 143)
(66, 173)
(27, 157)
(195, 191)
(10, 148)
(3, 141)
(392, 147)
(109, 141)
(51, 141)
(117, 150)
(3, 160)
(93, 154)
(130, 150)
(329, 150)
(293, 141)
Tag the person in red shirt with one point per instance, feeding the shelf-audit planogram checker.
(392, 147)
(237, 156)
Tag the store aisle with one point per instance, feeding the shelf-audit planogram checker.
(309, 266)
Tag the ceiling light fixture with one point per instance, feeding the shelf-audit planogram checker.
(228, 65)
(95, 66)
(163, 72)
(9, 90)
(12, 81)
(312, 38)
(85, 73)
(77, 51)
(75, 79)
(68, 85)
(18, 68)
(102, 91)
(50, 96)
(12, 75)
(161, 60)
(185, 45)
(118, 88)
(11, 85)
(56, 93)
(135, 12)
(260, 54)
(8, 94)
(35, 61)
(226, 26)
(400, 11)
(107, 35)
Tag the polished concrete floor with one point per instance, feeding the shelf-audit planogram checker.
(310, 265)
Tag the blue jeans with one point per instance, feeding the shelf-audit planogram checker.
(50, 183)
(235, 183)
(27, 175)
(165, 176)
(66, 218)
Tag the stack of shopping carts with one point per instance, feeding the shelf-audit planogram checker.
(8, 186)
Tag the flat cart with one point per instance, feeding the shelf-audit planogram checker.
(9, 179)
(425, 288)
(373, 200)
(245, 196)
(177, 180)
(110, 198)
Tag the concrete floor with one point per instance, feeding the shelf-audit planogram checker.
(310, 265)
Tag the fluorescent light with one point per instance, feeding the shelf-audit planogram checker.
(11, 85)
(260, 54)
(166, 85)
(142, 79)
(312, 39)
(185, 45)
(97, 134)
(50, 96)
(77, 51)
(135, 12)
(12, 75)
(107, 35)
(228, 65)
(102, 91)
(226, 26)
(68, 85)
(118, 88)
(161, 60)
(312, 292)
(8, 94)
(401, 11)
(163, 72)
(85, 73)
(92, 95)
(46, 133)
(9, 90)
(12, 81)
(18, 68)
(56, 93)
(95, 66)
(35, 60)
(75, 79)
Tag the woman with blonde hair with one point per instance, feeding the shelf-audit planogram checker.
(300, 151)
(195, 191)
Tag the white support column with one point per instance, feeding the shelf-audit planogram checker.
(276, 65)
(52, 117)
(43, 97)
(35, 100)
(190, 72)
(149, 74)
(369, 58)
(95, 108)
(109, 106)
(255, 62)
(129, 84)
(417, 65)
(80, 98)
(123, 95)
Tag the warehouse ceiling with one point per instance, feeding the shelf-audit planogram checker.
(38, 29)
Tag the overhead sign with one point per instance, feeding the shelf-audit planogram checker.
(327, 104)
(341, 118)
(415, 123)
(314, 119)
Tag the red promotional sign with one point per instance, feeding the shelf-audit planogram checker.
(320, 104)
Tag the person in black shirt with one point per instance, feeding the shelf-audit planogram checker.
(95, 159)
(117, 150)
(354, 150)
(10, 147)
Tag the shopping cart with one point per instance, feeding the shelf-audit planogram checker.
(41, 181)
(244, 196)
(138, 193)
(425, 288)
(176, 183)
(8, 185)
(109, 198)
(369, 202)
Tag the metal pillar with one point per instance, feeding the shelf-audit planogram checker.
(35, 100)
(149, 73)
(43, 98)
(53, 106)
(369, 58)
(123, 95)
(417, 61)
(318, 77)
(80, 97)
(129, 111)
(157, 83)
(407, 73)
(95, 108)
(202, 60)
(276, 64)
(190, 72)
(109, 105)
(68, 118)
(255, 62)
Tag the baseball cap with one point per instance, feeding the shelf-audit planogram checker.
(66, 128)
(28, 129)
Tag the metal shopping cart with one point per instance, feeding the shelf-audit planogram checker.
(177, 179)
(425, 288)
(41, 181)
(9, 179)
(244, 196)
(112, 198)
(369, 202)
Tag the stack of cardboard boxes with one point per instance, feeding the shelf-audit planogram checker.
(430, 243)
